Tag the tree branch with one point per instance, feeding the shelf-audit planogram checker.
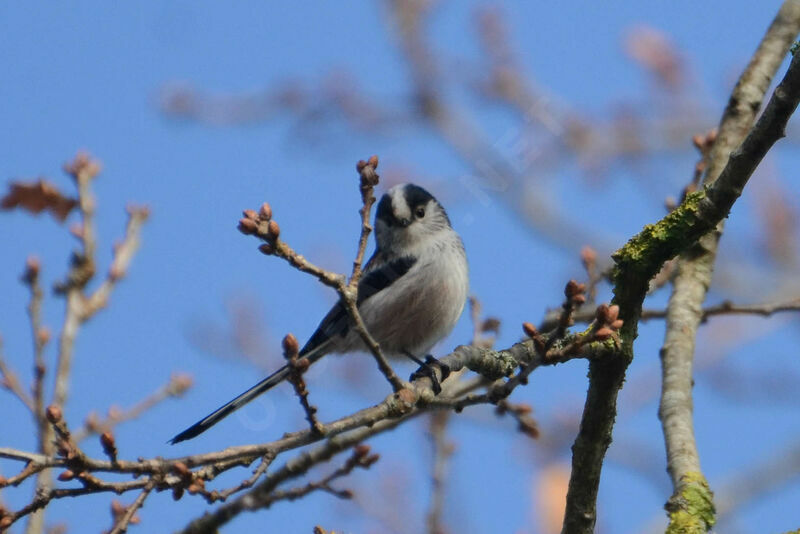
(691, 506)
(636, 263)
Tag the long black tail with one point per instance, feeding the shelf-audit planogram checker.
(222, 412)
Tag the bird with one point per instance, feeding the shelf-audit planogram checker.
(411, 294)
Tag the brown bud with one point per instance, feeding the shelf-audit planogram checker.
(177, 493)
(361, 450)
(247, 226)
(250, 214)
(54, 413)
(588, 255)
(266, 248)
(603, 333)
(579, 299)
(32, 268)
(265, 212)
(524, 408)
(117, 508)
(43, 335)
(179, 383)
(107, 441)
(613, 313)
(360, 165)
(698, 141)
(196, 486)
(601, 313)
(573, 288)
(373, 161)
(181, 469)
(5, 522)
(616, 325)
(407, 396)
(290, 345)
(274, 230)
(66, 475)
(530, 429)
(302, 365)
(529, 330)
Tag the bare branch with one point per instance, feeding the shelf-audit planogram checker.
(177, 386)
(637, 262)
(368, 180)
(442, 451)
(11, 383)
(691, 505)
(128, 516)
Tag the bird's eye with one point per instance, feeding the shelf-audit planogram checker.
(420, 212)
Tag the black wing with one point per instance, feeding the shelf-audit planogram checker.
(374, 280)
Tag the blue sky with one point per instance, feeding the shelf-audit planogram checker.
(88, 75)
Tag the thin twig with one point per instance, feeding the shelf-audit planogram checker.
(122, 525)
(177, 386)
(368, 180)
(726, 307)
(442, 451)
(40, 337)
(266, 461)
(11, 383)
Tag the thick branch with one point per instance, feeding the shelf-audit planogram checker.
(691, 508)
(636, 263)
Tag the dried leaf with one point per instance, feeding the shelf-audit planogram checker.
(37, 197)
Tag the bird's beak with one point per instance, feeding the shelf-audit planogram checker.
(404, 222)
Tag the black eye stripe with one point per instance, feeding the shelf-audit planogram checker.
(384, 211)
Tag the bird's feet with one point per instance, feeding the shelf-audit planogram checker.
(426, 368)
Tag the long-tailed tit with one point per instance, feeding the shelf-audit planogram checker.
(410, 296)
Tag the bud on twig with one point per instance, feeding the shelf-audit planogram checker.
(181, 470)
(54, 413)
(273, 229)
(32, 268)
(529, 330)
(109, 445)
(573, 288)
(247, 226)
(290, 345)
(361, 450)
(603, 333)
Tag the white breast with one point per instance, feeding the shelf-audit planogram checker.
(423, 306)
